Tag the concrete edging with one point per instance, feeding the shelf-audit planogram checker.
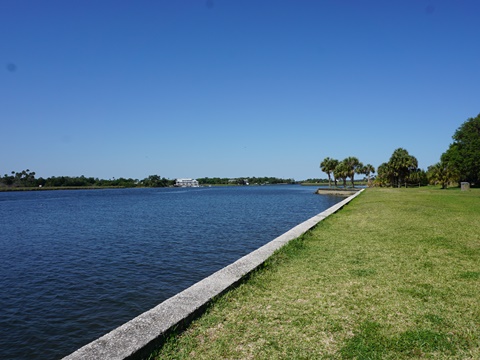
(141, 334)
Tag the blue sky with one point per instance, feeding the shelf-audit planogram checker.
(231, 88)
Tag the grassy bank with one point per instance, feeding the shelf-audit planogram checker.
(393, 275)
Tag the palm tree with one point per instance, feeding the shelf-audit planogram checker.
(384, 175)
(443, 173)
(325, 167)
(328, 166)
(342, 172)
(367, 170)
(333, 165)
(402, 163)
(354, 166)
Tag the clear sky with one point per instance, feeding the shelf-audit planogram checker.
(230, 88)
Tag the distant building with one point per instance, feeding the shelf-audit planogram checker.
(186, 183)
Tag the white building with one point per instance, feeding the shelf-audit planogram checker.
(186, 183)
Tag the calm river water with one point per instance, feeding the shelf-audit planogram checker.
(76, 264)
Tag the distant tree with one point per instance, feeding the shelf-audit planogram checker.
(417, 177)
(313, 181)
(442, 173)
(7, 180)
(243, 180)
(384, 175)
(324, 167)
(402, 164)
(354, 166)
(213, 181)
(402, 168)
(333, 165)
(126, 182)
(24, 178)
(328, 166)
(41, 181)
(155, 181)
(464, 153)
(367, 170)
(342, 172)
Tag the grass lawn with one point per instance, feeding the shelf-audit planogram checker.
(393, 275)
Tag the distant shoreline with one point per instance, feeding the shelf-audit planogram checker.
(331, 191)
(9, 189)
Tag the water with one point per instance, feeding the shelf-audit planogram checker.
(77, 264)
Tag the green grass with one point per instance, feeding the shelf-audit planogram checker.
(394, 275)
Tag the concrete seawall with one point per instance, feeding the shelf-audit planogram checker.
(139, 336)
(336, 191)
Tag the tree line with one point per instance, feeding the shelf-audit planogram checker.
(459, 163)
(244, 180)
(26, 178)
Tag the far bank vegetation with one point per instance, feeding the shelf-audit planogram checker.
(26, 179)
